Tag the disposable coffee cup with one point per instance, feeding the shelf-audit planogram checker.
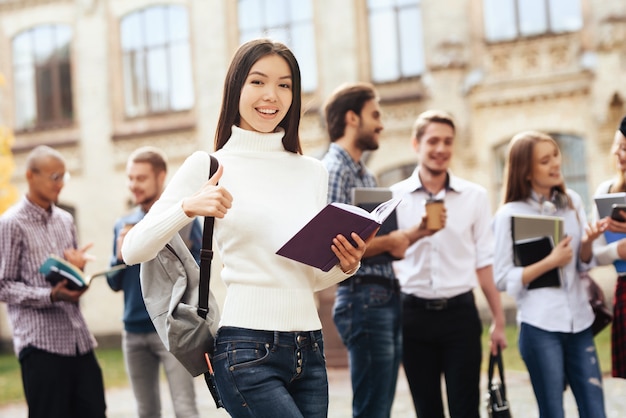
(434, 207)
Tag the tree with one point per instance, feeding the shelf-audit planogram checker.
(8, 192)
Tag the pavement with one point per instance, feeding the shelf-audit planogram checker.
(121, 403)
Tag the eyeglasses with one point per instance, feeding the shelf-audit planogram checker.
(56, 177)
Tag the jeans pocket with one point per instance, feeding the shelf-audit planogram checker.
(378, 296)
(242, 354)
(342, 316)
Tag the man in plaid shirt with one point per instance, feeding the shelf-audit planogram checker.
(367, 305)
(60, 373)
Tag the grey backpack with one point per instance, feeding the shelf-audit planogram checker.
(180, 303)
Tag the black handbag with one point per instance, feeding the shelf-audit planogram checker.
(497, 404)
(602, 313)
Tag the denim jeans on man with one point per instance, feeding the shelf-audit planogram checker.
(368, 317)
(553, 358)
(268, 374)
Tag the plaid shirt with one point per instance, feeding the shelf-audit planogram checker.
(343, 175)
(28, 235)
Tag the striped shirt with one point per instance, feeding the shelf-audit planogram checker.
(344, 174)
(28, 235)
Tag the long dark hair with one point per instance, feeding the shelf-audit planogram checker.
(243, 60)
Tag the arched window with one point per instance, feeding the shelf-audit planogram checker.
(287, 21)
(156, 60)
(42, 77)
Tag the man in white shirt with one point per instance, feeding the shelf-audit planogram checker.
(441, 325)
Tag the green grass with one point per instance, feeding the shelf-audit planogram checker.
(112, 364)
(513, 360)
(110, 359)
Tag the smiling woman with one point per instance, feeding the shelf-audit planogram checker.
(555, 340)
(266, 95)
(270, 312)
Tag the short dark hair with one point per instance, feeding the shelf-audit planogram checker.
(151, 155)
(428, 117)
(347, 97)
(243, 60)
(622, 126)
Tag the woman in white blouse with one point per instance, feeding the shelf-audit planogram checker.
(555, 337)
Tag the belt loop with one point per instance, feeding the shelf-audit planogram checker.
(276, 338)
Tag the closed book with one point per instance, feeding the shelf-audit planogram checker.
(532, 250)
(605, 202)
(311, 245)
(57, 269)
(534, 226)
(368, 198)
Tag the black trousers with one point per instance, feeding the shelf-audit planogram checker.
(442, 339)
(62, 387)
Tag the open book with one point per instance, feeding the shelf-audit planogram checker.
(311, 244)
(56, 269)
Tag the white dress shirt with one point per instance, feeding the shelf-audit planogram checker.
(444, 264)
(562, 309)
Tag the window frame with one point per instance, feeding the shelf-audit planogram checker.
(137, 100)
(59, 113)
(307, 60)
(397, 8)
(551, 24)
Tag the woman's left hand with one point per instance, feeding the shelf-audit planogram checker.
(349, 255)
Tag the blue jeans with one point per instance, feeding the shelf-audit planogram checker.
(368, 318)
(270, 373)
(553, 358)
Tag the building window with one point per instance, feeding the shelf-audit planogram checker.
(572, 153)
(511, 19)
(287, 21)
(396, 45)
(156, 61)
(42, 77)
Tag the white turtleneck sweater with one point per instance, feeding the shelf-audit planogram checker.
(275, 193)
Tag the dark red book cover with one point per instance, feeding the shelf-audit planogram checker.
(311, 245)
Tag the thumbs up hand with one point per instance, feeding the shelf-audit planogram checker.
(211, 200)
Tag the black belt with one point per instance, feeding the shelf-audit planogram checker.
(464, 299)
(392, 284)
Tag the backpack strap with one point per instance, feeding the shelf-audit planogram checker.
(206, 255)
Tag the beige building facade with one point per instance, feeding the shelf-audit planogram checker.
(487, 62)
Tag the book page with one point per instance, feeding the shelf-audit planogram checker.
(104, 272)
(354, 209)
(379, 214)
(382, 211)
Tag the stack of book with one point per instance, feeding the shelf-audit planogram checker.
(534, 237)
